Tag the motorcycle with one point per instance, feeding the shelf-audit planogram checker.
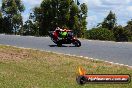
(69, 39)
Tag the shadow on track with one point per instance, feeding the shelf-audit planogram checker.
(61, 46)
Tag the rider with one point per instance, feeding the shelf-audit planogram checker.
(63, 33)
(60, 33)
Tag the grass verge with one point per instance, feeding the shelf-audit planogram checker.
(26, 68)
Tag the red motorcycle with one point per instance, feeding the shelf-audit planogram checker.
(69, 39)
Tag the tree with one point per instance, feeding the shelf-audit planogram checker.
(109, 22)
(121, 34)
(62, 13)
(129, 25)
(30, 28)
(129, 28)
(0, 15)
(12, 11)
(1, 23)
(82, 19)
(74, 18)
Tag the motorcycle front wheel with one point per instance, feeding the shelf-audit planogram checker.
(77, 43)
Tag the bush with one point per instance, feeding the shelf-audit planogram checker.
(100, 34)
(122, 34)
(130, 38)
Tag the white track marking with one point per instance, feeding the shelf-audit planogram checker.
(73, 55)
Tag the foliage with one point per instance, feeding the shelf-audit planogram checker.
(53, 13)
(12, 11)
(30, 28)
(129, 25)
(0, 15)
(100, 34)
(82, 19)
(129, 28)
(109, 22)
(4, 21)
(1, 20)
(122, 34)
(130, 38)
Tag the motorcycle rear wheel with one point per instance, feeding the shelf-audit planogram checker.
(59, 44)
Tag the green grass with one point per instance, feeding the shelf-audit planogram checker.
(23, 68)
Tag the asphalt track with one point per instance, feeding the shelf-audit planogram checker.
(108, 51)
